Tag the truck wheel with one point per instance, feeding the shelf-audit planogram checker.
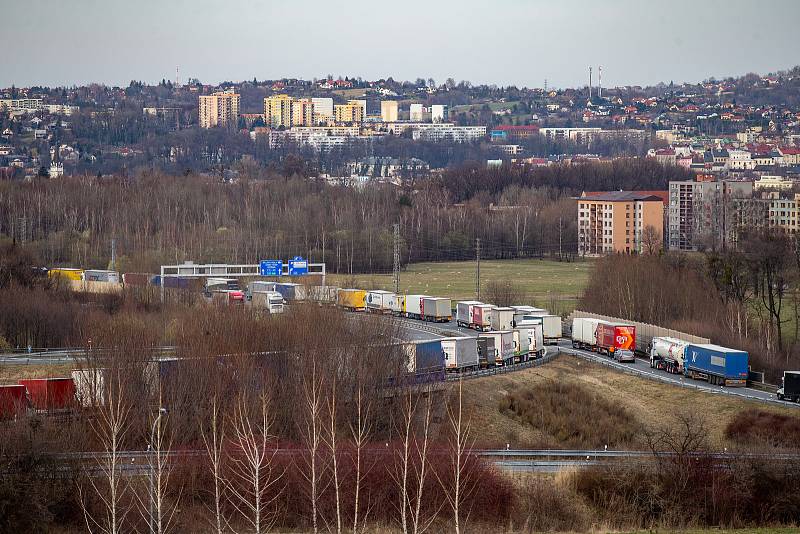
(780, 397)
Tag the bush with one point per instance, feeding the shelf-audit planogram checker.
(574, 414)
(757, 427)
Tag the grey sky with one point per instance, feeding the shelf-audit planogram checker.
(521, 42)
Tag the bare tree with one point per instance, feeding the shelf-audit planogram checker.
(213, 440)
(312, 430)
(159, 512)
(360, 432)
(461, 448)
(254, 481)
(421, 524)
(110, 428)
(503, 293)
(330, 440)
(651, 240)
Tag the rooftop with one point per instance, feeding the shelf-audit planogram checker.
(625, 196)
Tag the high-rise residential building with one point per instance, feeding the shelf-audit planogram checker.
(278, 111)
(620, 221)
(415, 112)
(323, 107)
(302, 112)
(439, 113)
(352, 112)
(363, 104)
(701, 213)
(219, 109)
(389, 110)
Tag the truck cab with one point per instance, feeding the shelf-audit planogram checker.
(790, 386)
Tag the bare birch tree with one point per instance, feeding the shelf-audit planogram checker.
(330, 441)
(110, 428)
(254, 482)
(461, 448)
(360, 432)
(312, 430)
(213, 439)
(159, 512)
(421, 524)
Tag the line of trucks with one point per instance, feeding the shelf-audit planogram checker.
(715, 364)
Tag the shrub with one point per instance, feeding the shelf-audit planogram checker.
(757, 427)
(574, 414)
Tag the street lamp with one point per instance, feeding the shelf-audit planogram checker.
(161, 411)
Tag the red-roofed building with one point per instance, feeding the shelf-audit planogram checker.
(510, 132)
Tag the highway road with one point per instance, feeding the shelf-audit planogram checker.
(418, 330)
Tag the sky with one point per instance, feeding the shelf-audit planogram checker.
(502, 42)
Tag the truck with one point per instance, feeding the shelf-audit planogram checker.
(291, 291)
(616, 340)
(227, 297)
(583, 332)
(530, 342)
(414, 306)
(503, 347)
(437, 309)
(397, 305)
(482, 317)
(790, 388)
(718, 365)
(521, 311)
(66, 273)
(464, 312)
(460, 353)
(13, 401)
(379, 301)
(485, 352)
(424, 357)
(272, 301)
(352, 299)
(322, 295)
(551, 326)
(668, 354)
(50, 394)
(221, 283)
(99, 275)
(261, 286)
(502, 318)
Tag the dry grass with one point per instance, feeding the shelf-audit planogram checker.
(647, 401)
(9, 374)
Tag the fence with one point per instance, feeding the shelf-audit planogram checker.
(645, 332)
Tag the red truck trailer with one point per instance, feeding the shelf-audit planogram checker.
(50, 394)
(13, 401)
(616, 340)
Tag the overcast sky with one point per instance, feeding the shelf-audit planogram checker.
(520, 42)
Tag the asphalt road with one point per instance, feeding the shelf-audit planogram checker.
(418, 330)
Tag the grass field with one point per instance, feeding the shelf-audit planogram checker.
(545, 283)
(649, 402)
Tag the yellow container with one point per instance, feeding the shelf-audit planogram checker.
(352, 299)
(68, 274)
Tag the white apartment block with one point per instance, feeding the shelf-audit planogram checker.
(449, 132)
(416, 113)
(323, 107)
(439, 113)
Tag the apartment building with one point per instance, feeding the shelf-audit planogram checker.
(416, 112)
(278, 111)
(302, 112)
(323, 107)
(389, 110)
(219, 109)
(439, 113)
(700, 213)
(448, 132)
(352, 112)
(619, 221)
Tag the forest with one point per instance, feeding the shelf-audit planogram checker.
(158, 219)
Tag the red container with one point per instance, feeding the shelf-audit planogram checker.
(616, 337)
(50, 393)
(13, 400)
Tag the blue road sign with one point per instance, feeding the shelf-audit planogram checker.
(271, 267)
(298, 266)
